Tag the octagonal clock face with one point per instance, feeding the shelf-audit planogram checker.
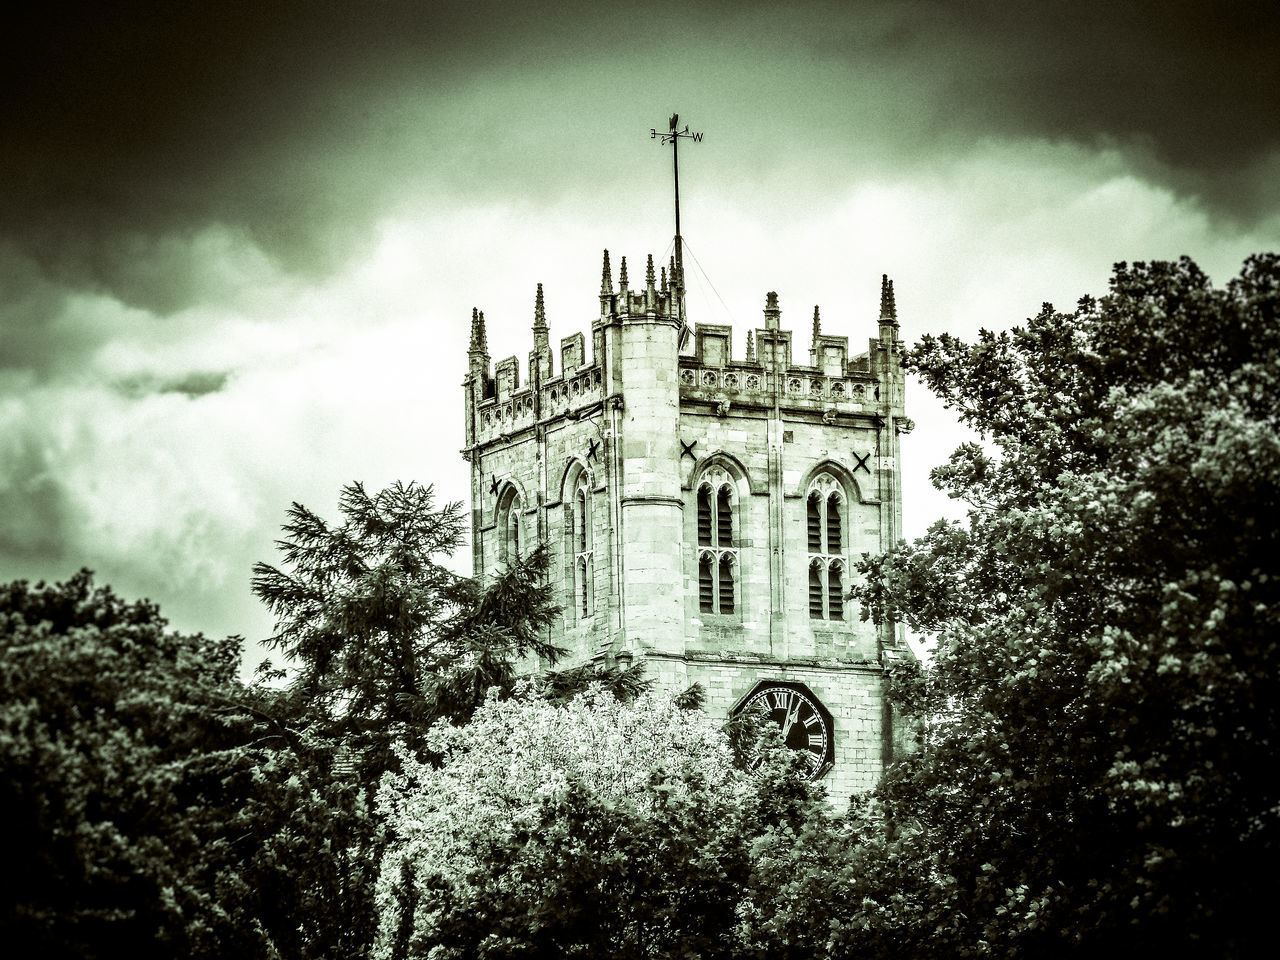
(805, 724)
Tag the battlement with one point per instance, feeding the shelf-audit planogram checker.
(831, 382)
(767, 375)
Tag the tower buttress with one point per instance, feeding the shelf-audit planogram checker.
(476, 382)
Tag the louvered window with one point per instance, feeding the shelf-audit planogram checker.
(704, 516)
(726, 583)
(815, 522)
(706, 584)
(835, 592)
(833, 523)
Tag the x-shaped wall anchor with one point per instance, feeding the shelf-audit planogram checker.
(687, 448)
(493, 485)
(862, 461)
(593, 446)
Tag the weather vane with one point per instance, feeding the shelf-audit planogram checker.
(673, 137)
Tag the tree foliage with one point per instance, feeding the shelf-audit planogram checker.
(382, 638)
(149, 811)
(587, 827)
(1101, 704)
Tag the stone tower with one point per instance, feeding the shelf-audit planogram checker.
(704, 507)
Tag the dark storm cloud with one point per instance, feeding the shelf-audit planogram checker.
(1193, 86)
(131, 126)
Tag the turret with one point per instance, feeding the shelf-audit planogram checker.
(644, 343)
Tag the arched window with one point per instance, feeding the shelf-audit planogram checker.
(717, 555)
(824, 518)
(580, 545)
(509, 526)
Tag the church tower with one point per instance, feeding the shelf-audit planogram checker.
(704, 505)
(704, 508)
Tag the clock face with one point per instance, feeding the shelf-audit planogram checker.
(801, 718)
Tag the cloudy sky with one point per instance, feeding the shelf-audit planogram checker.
(240, 241)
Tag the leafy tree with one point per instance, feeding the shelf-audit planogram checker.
(149, 811)
(587, 827)
(1098, 768)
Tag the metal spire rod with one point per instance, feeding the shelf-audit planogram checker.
(673, 138)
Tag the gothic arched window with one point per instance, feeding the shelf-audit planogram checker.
(824, 518)
(581, 545)
(717, 554)
(509, 526)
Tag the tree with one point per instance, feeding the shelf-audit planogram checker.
(382, 638)
(586, 827)
(148, 809)
(1101, 704)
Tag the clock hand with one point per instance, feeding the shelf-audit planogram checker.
(792, 714)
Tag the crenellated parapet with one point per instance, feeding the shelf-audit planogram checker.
(502, 403)
(833, 382)
(570, 382)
